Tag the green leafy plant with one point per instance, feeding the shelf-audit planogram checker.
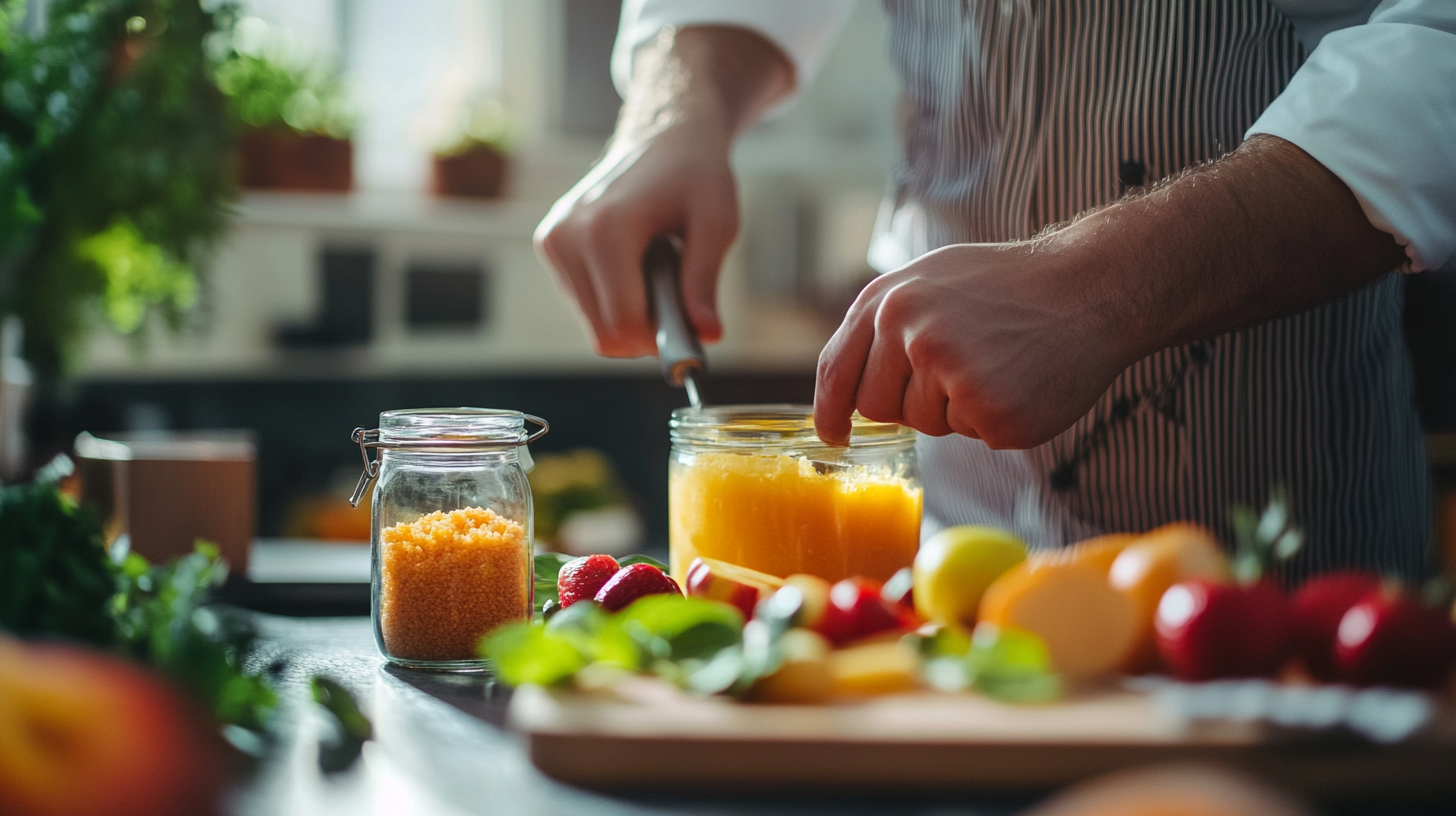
(481, 123)
(115, 165)
(1264, 538)
(272, 86)
(58, 581)
(55, 578)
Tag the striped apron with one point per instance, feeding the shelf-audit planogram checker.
(1016, 114)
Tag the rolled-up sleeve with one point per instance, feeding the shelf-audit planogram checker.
(1376, 104)
(803, 29)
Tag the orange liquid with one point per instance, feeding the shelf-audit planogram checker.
(777, 514)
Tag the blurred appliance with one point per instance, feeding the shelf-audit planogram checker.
(167, 490)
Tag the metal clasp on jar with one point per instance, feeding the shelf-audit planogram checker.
(366, 439)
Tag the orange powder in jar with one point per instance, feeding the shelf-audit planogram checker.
(449, 578)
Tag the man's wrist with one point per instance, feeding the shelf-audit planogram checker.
(1261, 233)
(718, 78)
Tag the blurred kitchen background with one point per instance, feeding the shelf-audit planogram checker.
(394, 159)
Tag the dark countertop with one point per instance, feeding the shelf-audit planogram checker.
(441, 749)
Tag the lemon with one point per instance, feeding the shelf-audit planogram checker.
(954, 567)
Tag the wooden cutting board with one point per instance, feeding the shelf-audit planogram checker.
(643, 734)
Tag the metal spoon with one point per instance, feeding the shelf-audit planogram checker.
(678, 348)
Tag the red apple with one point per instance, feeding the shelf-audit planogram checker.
(83, 734)
(817, 613)
(1315, 611)
(1207, 630)
(869, 613)
(1391, 638)
(729, 583)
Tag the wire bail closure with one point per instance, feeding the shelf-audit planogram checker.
(366, 439)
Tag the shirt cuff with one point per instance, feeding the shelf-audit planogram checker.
(803, 29)
(1374, 105)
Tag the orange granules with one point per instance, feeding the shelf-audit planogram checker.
(447, 579)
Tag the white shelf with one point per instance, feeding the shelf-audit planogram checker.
(365, 211)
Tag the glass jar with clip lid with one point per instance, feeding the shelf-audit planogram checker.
(451, 539)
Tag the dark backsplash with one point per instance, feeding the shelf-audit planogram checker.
(303, 426)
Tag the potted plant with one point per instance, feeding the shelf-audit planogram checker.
(474, 163)
(115, 169)
(294, 115)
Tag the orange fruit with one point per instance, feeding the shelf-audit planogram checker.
(1087, 626)
(1156, 560)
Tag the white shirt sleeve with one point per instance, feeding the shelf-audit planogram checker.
(803, 29)
(1376, 104)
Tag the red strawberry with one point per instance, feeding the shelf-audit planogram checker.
(631, 583)
(1315, 612)
(580, 579)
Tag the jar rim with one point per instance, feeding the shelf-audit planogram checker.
(774, 425)
(466, 424)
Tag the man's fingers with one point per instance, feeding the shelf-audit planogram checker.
(881, 391)
(925, 405)
(571, 272)
(841, 364)
(614, 251)
(709, 233)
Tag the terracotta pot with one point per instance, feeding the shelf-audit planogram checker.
(275, 159)
(479, 172)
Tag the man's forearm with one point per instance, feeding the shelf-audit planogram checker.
(728, 76)
(1264, 232)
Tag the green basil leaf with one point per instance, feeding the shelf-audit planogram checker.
(1021, 688)
(526, 653)
(1008, 664)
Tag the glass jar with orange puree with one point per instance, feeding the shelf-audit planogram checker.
(752, 485)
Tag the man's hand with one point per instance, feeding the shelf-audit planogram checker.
(1013, 343)
(665, 171)
(970, 339)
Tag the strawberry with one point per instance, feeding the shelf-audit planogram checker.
(631, 583)
(581, 578)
